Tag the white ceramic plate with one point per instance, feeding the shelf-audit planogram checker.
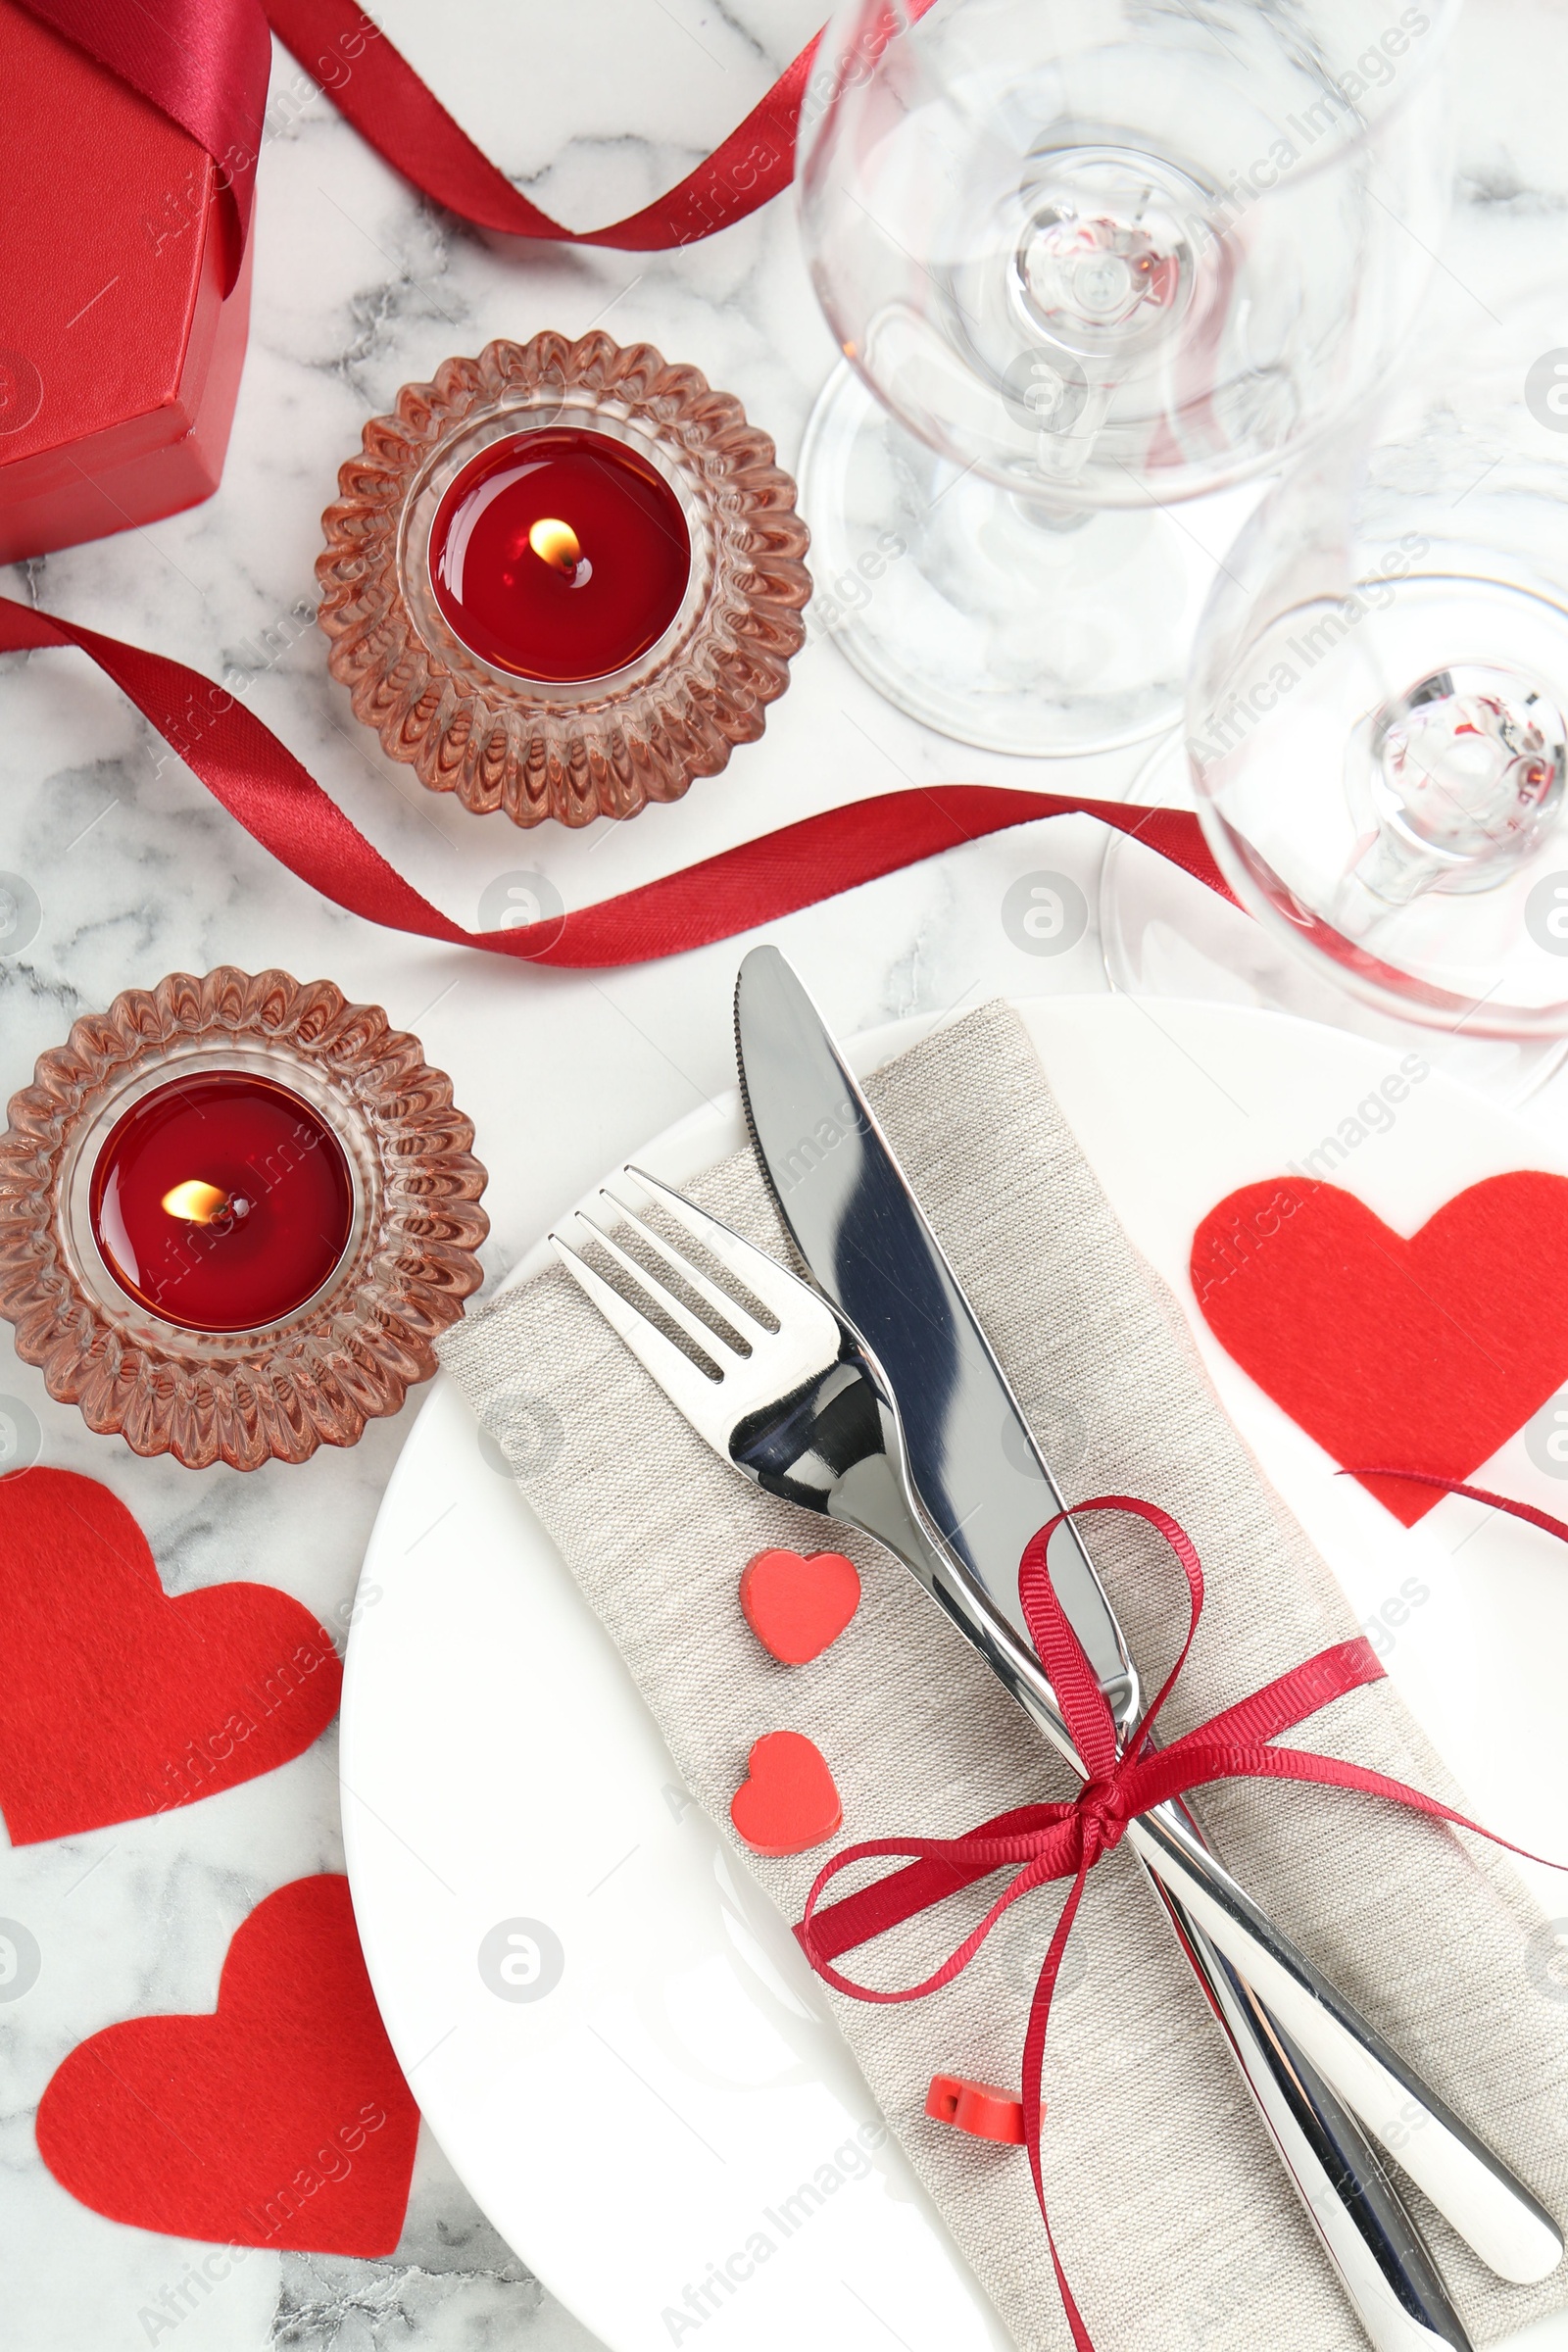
(611, 2033)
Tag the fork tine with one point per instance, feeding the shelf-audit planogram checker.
(679, 1265)
(778, 1289)
(684, 1383)
(712, 1344)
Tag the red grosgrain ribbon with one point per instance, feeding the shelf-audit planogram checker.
(281, 804)
(1038, 1843)
(206, 62)
(1457, 1486)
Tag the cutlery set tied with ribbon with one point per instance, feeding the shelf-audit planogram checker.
(854, 1334)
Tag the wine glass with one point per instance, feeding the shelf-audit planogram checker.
(1088, 260)
(1376, 718)
(1161, 934)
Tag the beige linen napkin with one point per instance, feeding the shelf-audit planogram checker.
(1174, 2220)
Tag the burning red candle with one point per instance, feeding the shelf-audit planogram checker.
(560, 555)
(221, 1202)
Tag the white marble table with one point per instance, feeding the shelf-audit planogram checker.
(360, 287)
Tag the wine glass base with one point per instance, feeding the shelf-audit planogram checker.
(989, 616)
(1164, 935)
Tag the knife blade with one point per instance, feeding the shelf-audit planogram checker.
(977, 1469)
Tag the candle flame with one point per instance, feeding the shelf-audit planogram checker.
(555, 543)
(197, 1203)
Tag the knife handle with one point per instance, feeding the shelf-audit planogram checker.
(1389, 2278)
(1491, 2210)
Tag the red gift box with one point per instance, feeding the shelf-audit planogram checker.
(120, 359)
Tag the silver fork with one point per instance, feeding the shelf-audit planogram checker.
(803, 1410)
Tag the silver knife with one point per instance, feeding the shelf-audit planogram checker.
(986, 1489)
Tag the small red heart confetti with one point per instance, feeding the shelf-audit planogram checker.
(790, 1800)
(979, 2108)
(280, 2120)
(118, 1700)
(796, 1603)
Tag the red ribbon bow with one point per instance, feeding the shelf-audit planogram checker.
(1038, 1843)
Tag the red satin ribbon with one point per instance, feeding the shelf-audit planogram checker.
(281, 804)
(206, 63)
(1036, 1843)
(390, 107)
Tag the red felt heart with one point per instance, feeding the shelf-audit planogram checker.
(1427, 1354)
(790, 1800)
(282, 2120)
(117, 1700)
(798, 1605)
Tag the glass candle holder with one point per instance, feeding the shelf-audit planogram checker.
(235, 1212)
(564, 578)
